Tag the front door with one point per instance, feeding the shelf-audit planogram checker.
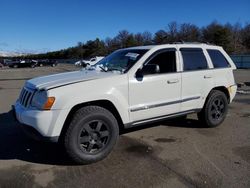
(158, 94)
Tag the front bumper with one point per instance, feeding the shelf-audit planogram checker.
(35, 135)
(36, 123)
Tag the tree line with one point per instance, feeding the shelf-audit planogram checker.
(235, 39)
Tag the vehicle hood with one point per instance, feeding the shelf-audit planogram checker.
(62, 79)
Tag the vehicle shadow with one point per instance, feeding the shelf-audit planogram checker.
(14, 144)
(173, 122)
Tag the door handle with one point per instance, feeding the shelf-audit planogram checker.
(172, 81)
(207, 76)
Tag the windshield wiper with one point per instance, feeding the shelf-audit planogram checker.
(114, 69)
(103, 68)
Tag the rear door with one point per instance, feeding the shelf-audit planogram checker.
(197, 78)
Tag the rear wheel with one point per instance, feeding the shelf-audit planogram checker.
(215, 109)
(91, 135)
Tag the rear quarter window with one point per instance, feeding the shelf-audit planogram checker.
(218, 59)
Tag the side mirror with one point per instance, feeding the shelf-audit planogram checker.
(148, 69)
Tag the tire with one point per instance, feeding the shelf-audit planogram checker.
(91, 135)
(15, 66)
(41, 65)
(215, 109)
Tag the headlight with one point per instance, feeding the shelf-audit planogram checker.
(42, 101)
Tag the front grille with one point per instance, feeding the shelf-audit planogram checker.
(25, 97)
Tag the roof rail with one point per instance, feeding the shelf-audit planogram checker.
(183, 42)
(209, 43)
(195, 42)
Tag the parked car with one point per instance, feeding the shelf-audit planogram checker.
(79, 63)
(1, 63)
(47, 62)
(6, 62)
(93, 60)
(22, 64)
(89, 62)
(87, 109)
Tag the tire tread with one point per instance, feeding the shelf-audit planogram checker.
(83, 112)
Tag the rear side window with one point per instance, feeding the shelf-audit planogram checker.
(218, 59)
(193, 59)
(166, 61)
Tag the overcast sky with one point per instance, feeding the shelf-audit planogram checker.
(46, 25)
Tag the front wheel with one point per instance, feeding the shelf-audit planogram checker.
(91, 135)
(215, 109)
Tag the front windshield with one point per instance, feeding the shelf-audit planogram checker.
(120, 60)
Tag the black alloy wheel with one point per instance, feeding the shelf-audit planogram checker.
(94, 136)
(91, 135)
(215, 109)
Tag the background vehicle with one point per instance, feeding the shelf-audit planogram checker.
(22, 64)
(78, 63)
(86, 109)
(47, 62)
(93, 60)
(6, 62)
(90, 62)
(1, 63)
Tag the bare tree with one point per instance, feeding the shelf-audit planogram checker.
(189, 32)
(246, 37)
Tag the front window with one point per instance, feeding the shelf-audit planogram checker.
(166, 61)
(121, 60)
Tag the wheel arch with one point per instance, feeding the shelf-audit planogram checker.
(224, 90)
(102, 103)
(218, 88)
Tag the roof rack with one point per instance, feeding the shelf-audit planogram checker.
(195, 42)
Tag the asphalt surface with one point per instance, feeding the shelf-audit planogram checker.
(168, 154)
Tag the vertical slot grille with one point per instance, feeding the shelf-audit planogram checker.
(25, 97)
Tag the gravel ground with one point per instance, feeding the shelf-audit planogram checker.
(167, 154)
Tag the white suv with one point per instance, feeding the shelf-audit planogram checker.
(86, 109)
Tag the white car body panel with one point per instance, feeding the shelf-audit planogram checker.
(155, 91)
(55, 80)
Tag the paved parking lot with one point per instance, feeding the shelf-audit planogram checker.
(168, 154)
